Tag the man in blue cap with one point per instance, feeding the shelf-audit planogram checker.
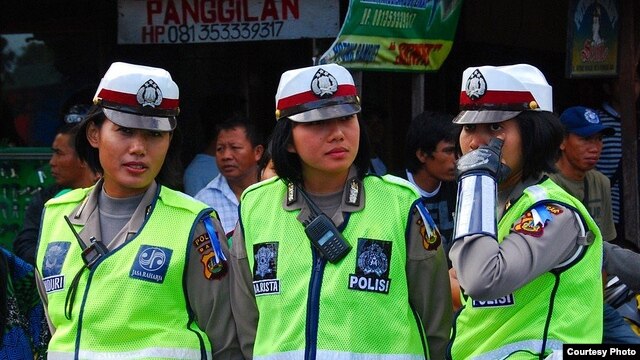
(579, 153)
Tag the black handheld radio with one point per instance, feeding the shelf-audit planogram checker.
(323, 234)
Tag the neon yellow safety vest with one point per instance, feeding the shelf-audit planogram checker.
(355, 309)
(132, 304)
(563, 305)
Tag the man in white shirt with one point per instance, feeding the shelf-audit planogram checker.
(238, 149)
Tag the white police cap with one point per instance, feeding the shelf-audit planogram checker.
(139, 97)
(316, 93)
(493, 94)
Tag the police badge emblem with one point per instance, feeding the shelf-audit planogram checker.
(149, 94)
(372, 267)
(476, 85)
(54, 258)
(265, 269)
(323, 84)
(151, 263)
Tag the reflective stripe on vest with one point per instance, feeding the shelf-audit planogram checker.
(165, 353)
(337, 355)
(503, 352)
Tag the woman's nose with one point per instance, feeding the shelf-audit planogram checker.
(478, 140)
(138, 145)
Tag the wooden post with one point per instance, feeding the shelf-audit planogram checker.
(417, 94)
(628, 62)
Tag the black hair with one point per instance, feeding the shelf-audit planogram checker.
(253, 135)
(263, 162)
(288, 165)
(169, 174)
(541, 133)
(70, 129)
(424, 133)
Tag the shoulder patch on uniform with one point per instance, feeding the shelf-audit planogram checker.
(210, 267)
(431, 237)
(555, 210)
(528, 226)
(532, 223)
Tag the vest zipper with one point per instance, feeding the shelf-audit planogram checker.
(313, 306)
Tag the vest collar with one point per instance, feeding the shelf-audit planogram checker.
(87, 216)
(353, 198)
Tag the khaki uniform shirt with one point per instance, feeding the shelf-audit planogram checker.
(597, 200)
(209, 299)
(427, 277)
(488, 270)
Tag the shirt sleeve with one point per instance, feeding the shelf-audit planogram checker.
(429, 288)
(488, 270)
(243, 306)
(26, 241)
(622, 263)
(608, 227)
(209, 295)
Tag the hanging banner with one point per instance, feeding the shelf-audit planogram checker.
(395, 35)
(208, 21)
(592, 44)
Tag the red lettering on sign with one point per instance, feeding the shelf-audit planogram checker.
(171, 15)
(245, 10)
(290, 6)
(179, 12)
(415, 54)
(269, 10)
(207, 13)
(153, 7)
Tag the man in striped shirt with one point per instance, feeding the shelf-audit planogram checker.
(610, 162)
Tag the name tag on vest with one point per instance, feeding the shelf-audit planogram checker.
(53, 283)
(499, 302)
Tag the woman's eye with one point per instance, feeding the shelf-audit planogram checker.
(468, 127)
(495, 127)
(125, 130)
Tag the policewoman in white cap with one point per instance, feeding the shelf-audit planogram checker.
(329, 262)
(527, 254)
(130, 268)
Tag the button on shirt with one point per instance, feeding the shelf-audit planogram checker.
(221, 198)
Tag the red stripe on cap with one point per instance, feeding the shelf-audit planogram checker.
(131, 99)
(498, 97)
(309, 96)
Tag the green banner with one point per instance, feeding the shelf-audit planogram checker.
(395, 35)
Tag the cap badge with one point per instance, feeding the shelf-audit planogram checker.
(149, 94)
(476, 85)
(323, 84)
(591, 117)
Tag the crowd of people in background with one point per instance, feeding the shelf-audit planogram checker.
(493, 239)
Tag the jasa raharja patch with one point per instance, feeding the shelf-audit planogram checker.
(265, 269)
(372, 266)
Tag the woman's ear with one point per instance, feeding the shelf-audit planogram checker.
(291, 148)
(93, 134)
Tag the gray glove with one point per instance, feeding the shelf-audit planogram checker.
(484, 160)
(478, 173)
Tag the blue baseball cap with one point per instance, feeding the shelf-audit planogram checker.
(584, 122)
